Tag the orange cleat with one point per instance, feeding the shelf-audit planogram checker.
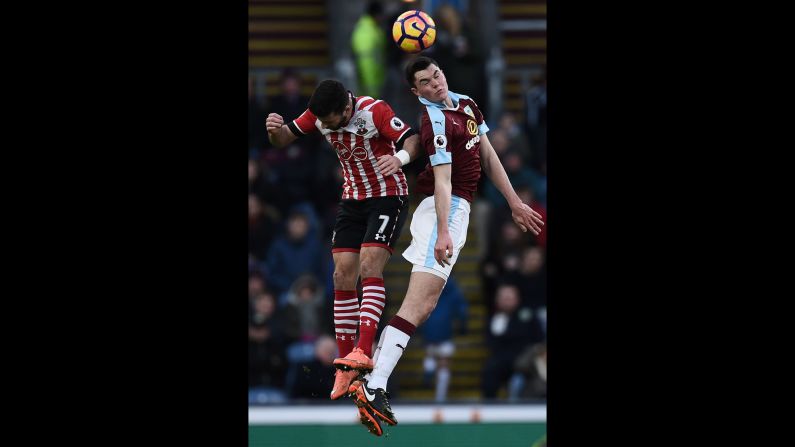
(342, 383)
(357, 360)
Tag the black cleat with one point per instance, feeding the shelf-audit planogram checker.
(370, 420)
(375, 400)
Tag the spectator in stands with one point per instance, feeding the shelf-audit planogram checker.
(292, 172)
(458, 48)
(532, 281)
(306, 323)
(516, 137)
(369, 48)
(502, 258)
(529, 380)
(267, 361)
(307, 309)
(289, 101)
(510, 330)
(293, 254)
(313, 378)
(263, 220)
(256, 284)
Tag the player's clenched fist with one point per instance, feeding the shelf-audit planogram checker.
(274, 122)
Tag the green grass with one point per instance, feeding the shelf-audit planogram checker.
(402, 435)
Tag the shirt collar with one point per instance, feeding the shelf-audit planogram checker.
(441, 105)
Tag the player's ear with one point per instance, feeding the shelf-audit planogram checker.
(415, 91)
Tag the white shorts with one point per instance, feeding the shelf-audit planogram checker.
(423, 235)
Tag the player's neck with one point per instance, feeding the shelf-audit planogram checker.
(351, 105)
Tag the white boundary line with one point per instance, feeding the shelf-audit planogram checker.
(413, 414)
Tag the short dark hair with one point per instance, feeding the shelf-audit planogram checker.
(418, 64)
(330, 96)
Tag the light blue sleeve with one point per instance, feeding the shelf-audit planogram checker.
(483, 128)
(442, 156)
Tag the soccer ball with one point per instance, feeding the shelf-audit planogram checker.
(414, 31)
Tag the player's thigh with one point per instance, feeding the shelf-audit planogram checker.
(385, 220)
(350, 227)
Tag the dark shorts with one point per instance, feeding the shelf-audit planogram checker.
(374, 222)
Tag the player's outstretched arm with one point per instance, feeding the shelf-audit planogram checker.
(389, 164)
(278, 134)
(522, 214)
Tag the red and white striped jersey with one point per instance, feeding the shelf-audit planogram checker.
(371, 132)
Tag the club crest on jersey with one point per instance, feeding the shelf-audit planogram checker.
(396, 123)
(440, 141)
(469, 111)
(360, 123)
(472, 127)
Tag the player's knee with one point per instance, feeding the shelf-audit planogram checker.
(369, 269)
(343, 277)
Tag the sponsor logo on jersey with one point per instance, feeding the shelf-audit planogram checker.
(472, 127)
(342, 151)
(475, 140)
(360, 153)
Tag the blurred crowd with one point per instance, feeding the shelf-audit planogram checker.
(292, 204)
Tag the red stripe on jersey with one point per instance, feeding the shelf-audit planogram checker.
(381, 181)
(356, 167)
(351, 190)
(347, 186)
(369, 168)
(364, 103)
